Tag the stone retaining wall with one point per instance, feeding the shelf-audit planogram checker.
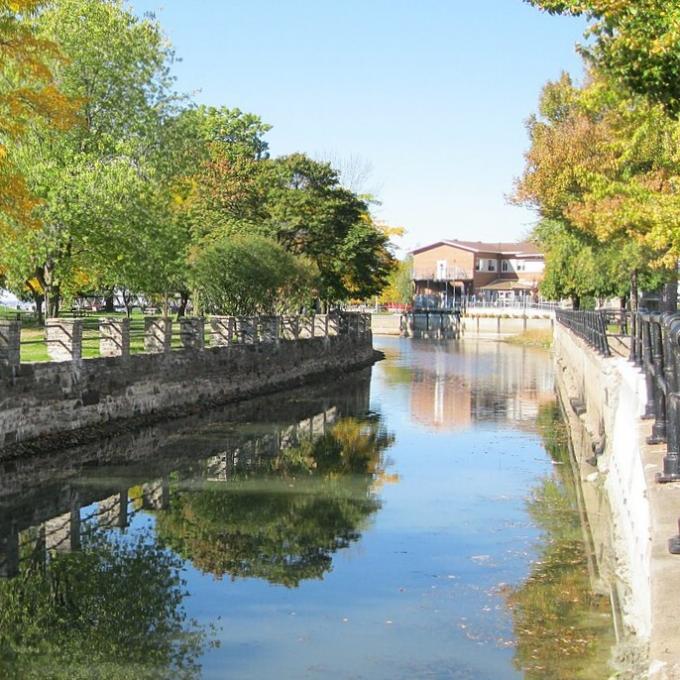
(41, 400)
(608, 396)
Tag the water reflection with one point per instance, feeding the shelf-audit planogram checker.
(456, 384)
(562, 619)
(300, 554)
(87, 583)
(111, 609)
(284, 523)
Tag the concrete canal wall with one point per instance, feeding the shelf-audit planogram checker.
(606, 398)
(478, 323)
(45, 401)
(502, 324)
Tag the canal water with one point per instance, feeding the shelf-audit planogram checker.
(418, 520)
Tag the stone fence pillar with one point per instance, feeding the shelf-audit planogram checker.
(245, 329)
(290, 327)
(157, 334)
(222, 328)
(192, 332)
(114, 337)
(306, 326)
(268, 329)
(64, 339)
(333, 324)
(321, 325)
(62, 534)
(10, 344)
(113, 511)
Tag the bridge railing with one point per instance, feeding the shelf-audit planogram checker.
(591, 326)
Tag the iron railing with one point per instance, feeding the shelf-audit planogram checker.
(654, 346)
(591, 326)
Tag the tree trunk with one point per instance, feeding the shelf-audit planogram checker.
(575, 302)
(634, 293)
(109, 303)
(51, 289)
(38, 299)
(127, 299)
(669, 295)
(183, 302)
(52, 296)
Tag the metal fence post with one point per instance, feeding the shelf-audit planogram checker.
(671, 335)
(658, 435)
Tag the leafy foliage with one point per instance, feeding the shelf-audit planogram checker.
(399, 286)
(140, 193)
(27, 93)
(637, 42)
(604, 166)
(250, 274)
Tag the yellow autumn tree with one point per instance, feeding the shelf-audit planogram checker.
(27, 94)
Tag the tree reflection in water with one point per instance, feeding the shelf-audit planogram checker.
(562, 627)
(285, 522)
(110, 610)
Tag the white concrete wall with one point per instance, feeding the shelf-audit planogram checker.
(644, 513)
(614, 395)
(385, 324)
(479, 326)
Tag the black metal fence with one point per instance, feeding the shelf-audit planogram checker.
(589, 325)
(653, 340)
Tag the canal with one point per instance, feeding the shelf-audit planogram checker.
(417, 520)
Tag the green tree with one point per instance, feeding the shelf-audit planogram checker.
(95, 181)
(604, 166)
(311, 213)
(242, 274)
(579, 267)
(294, 200)
(399, 287)
(637, 42)
(27, 94)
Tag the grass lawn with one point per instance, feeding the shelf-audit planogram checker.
(34, 347)
(541, 339)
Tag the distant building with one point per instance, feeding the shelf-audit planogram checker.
(448, 270)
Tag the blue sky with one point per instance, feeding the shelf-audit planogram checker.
(432, 94)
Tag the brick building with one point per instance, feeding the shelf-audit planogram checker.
(445, 271)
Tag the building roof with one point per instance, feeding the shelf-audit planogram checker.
(520, 249)
(508, 284)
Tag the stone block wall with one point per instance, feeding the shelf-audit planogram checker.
(44, 399)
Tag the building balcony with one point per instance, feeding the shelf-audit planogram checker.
(450, 273)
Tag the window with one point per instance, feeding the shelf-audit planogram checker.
(492, 265)
(477, 265)
(504, 265)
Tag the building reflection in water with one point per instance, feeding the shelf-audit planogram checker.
(481, 381)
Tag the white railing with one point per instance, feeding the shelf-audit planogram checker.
(449, 273)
